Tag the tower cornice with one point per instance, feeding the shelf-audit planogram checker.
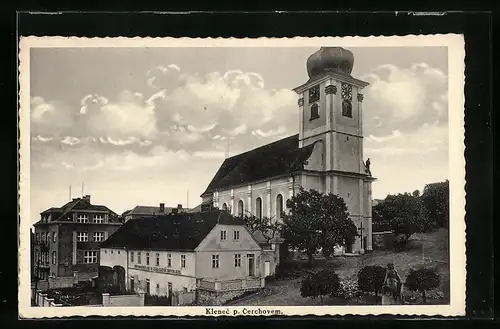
(331, 75)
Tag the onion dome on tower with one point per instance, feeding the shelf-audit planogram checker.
(330, 59)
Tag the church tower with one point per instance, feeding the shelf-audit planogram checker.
(331, 118)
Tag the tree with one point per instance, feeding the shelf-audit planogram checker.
(317, 221)
(371, 278)
(268, 227)
(423, 279)
(436, 199)
(325, 282)
(405, 213)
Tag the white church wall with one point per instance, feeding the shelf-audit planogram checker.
(348, 189)
(312, 182)
(260, 189)
(317, 159)
(348, 157)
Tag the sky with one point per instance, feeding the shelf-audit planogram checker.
(140, 126)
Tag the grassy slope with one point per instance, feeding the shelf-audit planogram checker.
(435, 252)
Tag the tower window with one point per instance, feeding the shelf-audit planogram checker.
(346, 100)
(314, 112)
(314, 94)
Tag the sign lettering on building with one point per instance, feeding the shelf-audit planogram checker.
(156, 269)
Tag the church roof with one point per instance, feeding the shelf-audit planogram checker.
(184, 231)
(278, 158)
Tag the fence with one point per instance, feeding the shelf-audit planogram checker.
(42, 300)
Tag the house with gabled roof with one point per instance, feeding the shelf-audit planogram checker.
(210, 253)
(67, 239)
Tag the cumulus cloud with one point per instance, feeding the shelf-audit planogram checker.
(404, 97)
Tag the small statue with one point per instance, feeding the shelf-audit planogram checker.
(367, 164)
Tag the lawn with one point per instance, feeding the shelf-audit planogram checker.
(429, 249)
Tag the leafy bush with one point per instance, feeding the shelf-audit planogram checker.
(348, 289)
(325, 282)
(422, 280)
(150, 300)
(371, 279)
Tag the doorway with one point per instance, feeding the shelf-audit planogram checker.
(132, 285)
(251, 264)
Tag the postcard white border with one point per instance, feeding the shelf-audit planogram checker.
(456, 101)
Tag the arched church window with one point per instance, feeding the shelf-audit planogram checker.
(240, 208)
(279, 206)
(258, 207)
(314, 111)
(224, 206)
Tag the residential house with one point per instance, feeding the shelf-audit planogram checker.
(67, 238)
(209, 252)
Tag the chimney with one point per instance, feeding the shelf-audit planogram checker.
(87, 198)
(162, 208)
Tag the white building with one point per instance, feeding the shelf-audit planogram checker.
(210, 251)
(326, 154)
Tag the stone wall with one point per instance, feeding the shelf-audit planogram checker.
(123, 300)
(218, 298)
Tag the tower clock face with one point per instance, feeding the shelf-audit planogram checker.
(346, 91)
(314, 94)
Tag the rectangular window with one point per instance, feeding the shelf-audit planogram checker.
(90, 257)
(118, 252)
(157, 288)
(223, 235)
(38, 237)
(157, 259)
(48, 237)
(98, 236)
(98, 219)
(147, 258)
(54, 236)
(131, 256)
(148, 287)
(54, 258)
(44, 238)
(82, 218)
(215, 261)
(237, 260)
(236, 235)
(183, 261)
(105, 251)
(82, 237)
(169, 260)
(138, 257)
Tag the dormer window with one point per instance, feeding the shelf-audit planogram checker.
(314, 111)
(82, 218)
(98, 219)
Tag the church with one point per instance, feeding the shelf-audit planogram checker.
(326, 154)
